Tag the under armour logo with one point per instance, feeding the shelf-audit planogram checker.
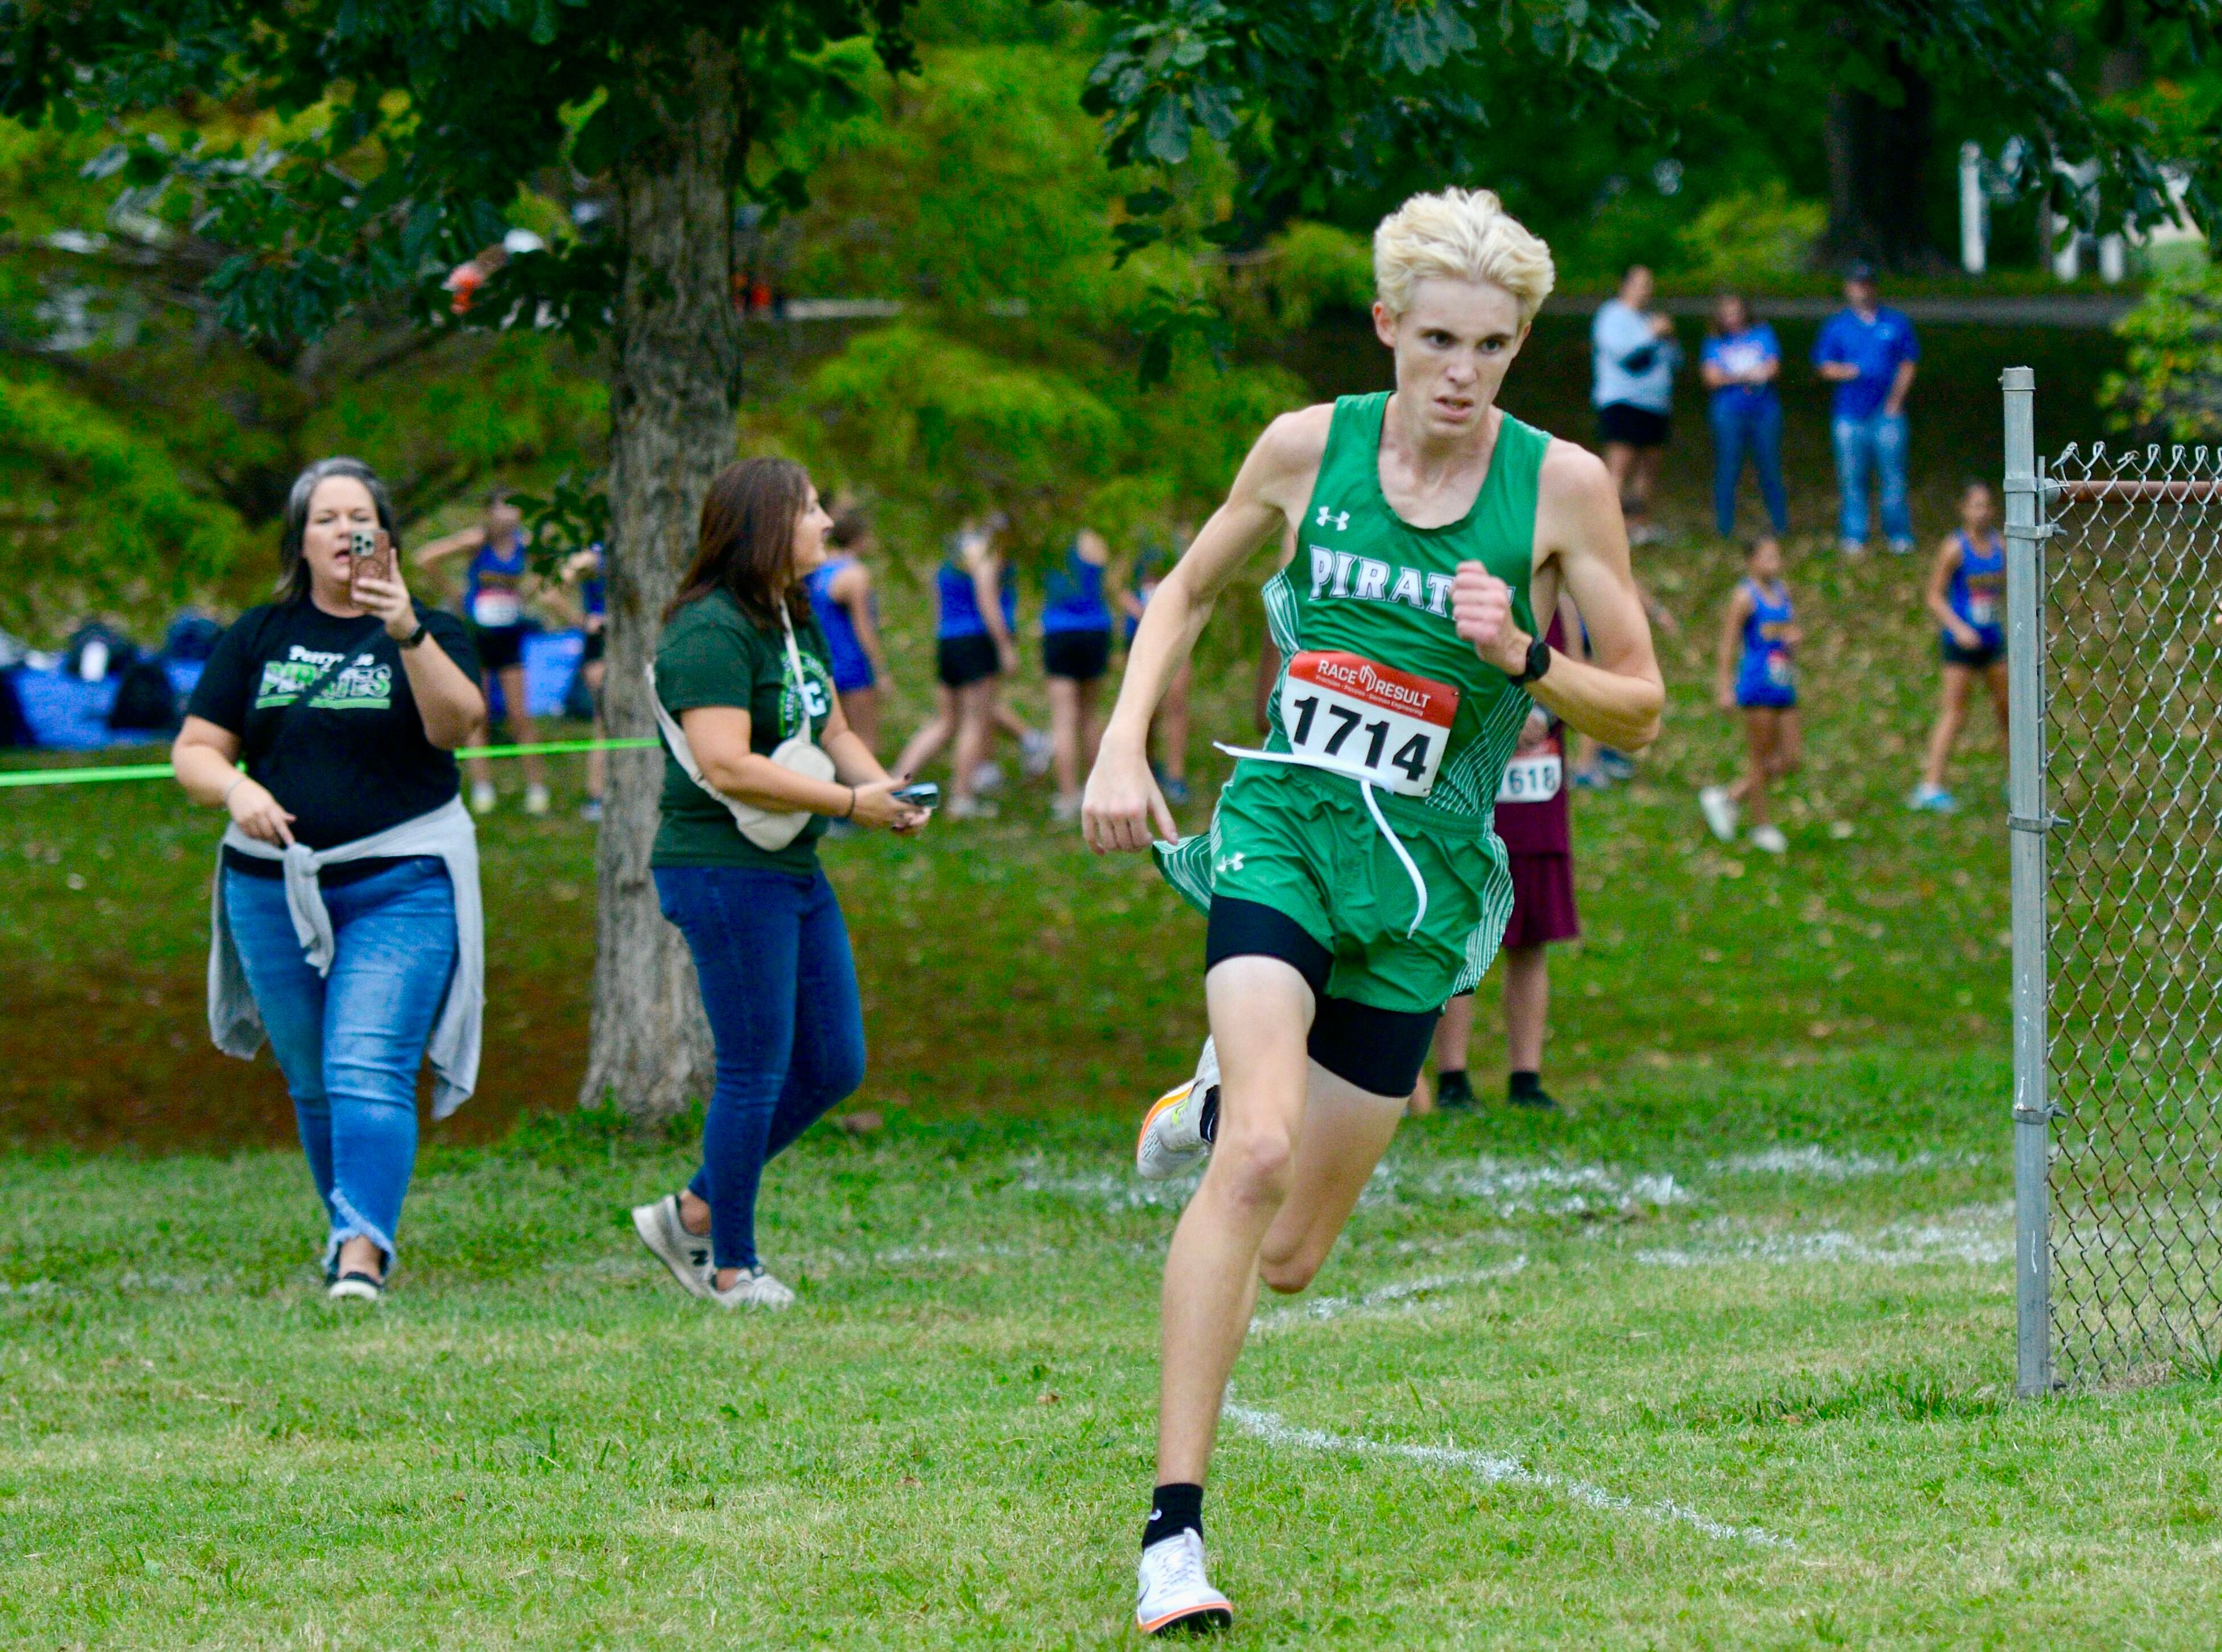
(1228, 864)
(1339, 519)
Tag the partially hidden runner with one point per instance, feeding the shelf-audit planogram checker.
(1351, 876)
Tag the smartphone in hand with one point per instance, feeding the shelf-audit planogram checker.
(370, 555)
(924, 795)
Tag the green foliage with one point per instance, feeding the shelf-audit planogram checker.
(956, 429)
(1313, 268)
(94, 514)
(1750, 236)
(2171, 383)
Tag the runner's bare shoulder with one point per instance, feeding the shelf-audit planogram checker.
(1574, 477)
(1285, 462)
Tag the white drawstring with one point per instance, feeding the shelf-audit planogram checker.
(1419, 884)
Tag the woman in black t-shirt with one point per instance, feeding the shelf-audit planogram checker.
(345, 700)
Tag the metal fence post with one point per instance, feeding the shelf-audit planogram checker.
(2025, 536)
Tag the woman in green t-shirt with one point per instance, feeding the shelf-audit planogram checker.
(743, 668)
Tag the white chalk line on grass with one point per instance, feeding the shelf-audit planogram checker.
(1980, 1238)
(1493, 1470)
(1404, 1294)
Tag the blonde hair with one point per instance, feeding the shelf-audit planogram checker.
(1459, 235)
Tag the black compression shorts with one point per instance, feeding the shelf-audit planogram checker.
(1379, 1051)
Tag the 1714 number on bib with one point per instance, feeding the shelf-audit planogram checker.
(1345, 712)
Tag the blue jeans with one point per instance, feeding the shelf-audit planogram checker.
(780, 987)
(1741, 427)
(350, 1043)
(1876, 444)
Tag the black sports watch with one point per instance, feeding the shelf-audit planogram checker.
(416, 639)
(1539, 662)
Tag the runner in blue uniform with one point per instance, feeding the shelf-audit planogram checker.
(498, 583)
(1966, 592)
(1759, 634)
(1076, 626)
(975, 618)
(587, 570)
(1169, 728)
(849, 613)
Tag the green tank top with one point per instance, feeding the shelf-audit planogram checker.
(1365, 582)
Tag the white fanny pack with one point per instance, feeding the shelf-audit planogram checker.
(798, 754)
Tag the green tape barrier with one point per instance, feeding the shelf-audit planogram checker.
(161, 770)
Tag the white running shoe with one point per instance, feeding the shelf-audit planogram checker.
(1173, 1593)
(754, 1289)
(1172, 1131)
(1037, 750)
(1065, 810)
(482, 797)
(1720, 810)
(1769, 839)
(972, 808)
(988, 777)
(536, 800)
(688, 1255)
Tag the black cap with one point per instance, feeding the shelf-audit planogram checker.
(1861, 271)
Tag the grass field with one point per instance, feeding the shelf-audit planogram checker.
(1721, 1358)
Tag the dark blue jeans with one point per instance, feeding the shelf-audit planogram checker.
(1757, 430)
(780, 986)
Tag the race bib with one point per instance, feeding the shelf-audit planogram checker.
(496, 610)
(1532, 779)
(1343, 712)
(1982, 610)
(1778, 668)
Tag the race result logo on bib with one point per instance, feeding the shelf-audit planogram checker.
(1366, 720)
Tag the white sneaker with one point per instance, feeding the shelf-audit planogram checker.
(354, 1286)
(536, 800)
(482, 798)
(1172, 1130)
(1065, 810)
(1037, 750)
(972, 808)
(988, 777)
(1171, 1591)
(688, 1255)
(754, 1289)
(1769, 839)
(1720, 810)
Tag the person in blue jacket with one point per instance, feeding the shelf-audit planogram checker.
(1966, 592)
(1868, 352)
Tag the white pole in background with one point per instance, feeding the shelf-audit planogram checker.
(1973, 209)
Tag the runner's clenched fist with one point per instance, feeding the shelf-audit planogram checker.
(1481, 606)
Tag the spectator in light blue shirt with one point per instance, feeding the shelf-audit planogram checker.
(1868, 353)
(1740, 361)
(1633, 354)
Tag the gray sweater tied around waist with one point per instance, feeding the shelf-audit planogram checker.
(235, 1024)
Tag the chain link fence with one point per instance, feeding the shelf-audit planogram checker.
(2115, 652)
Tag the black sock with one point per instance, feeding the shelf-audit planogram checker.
(1173, 1510)
(1208, 1125)
(1452, 1081)
(1524, 1083)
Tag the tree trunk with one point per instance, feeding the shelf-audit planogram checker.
(1879, 155)
(674, 375)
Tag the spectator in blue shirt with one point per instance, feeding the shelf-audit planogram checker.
(1633, 357)
(1868, 353)
(1740, 361)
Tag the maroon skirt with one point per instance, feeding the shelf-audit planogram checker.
(1542, 900)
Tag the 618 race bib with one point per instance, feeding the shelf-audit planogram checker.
(496, 610)
(1533, 779)
(1345, 712)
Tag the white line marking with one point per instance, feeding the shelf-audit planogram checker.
(1817, 1164)
(1979, 1238)
(1403, 1294)
(1493, 1470)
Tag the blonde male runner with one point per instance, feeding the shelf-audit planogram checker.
(1352, 879)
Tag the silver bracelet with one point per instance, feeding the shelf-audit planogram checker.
(224, 802)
